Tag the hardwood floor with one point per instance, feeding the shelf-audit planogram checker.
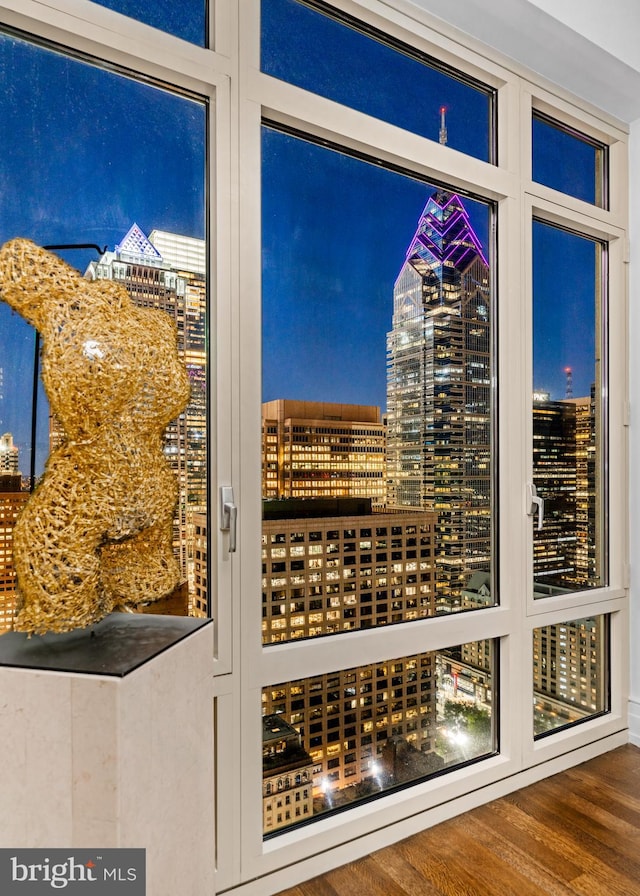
(577, 832)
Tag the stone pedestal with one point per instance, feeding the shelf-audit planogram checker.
(107, 741)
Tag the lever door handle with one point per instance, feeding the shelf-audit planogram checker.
(228, 515)
(535, 504)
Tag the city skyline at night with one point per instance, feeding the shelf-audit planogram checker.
(332, 563)
(345, 224)
(316, 465)
(343, 255)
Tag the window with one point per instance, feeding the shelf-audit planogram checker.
(569, 413)
(188, 20)
(570, 673)
(307, 43)
(342, 274)
(420, 730)
(430, 303)
(407, 353)
(71, 184)
(569, 161)
(458, 381)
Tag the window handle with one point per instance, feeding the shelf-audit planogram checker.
(535, 504)
(228, 515)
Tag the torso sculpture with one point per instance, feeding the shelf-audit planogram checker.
(97, 531)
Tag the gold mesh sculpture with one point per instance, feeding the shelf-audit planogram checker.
(96, 533)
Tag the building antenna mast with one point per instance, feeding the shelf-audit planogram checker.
(443, 126)
(569, 374)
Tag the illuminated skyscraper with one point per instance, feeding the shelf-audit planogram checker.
(554, 473)
(332, 566)
(438, 391)
(587, 560)
(565, 550)
(8, 454)
(314, 449)
(12, 500)
(168, 271)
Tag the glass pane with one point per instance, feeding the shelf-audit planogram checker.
(345, 61)
(71, 179)
(186, 19)
(569, 162)
(570, 673)
(567, 411)
(354, 535)
(343, 738)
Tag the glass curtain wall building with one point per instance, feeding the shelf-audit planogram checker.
(439, 392)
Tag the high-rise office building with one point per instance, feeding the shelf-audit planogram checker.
(314, 449)
(356, 721)
(186, 258)
(439, 392)
(554, 474)
(565, 550)
(334, 561)
(168, 271)
(12, 500)
(588, 535)
(200, 604)
(287, 775)
(8, 454)
(570, 677)
(333, 565)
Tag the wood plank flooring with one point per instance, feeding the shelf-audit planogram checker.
(575, 833)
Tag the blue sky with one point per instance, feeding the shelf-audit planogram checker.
(336, 229)
(185, 19)
(86, 152)
(316, 53)
(335, 234)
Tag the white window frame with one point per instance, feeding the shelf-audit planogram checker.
(317, 846)
(240, 95)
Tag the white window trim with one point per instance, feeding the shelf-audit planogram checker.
(521, 759)
(239, 95)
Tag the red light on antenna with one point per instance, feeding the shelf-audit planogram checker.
(569, 374)
(443, 109)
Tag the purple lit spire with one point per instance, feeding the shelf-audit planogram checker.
(444, 235)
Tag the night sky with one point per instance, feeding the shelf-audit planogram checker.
(335, 235)
(185, 19)
(86, 152)
(336, 229)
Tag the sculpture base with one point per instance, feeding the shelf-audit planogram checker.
(107, 738)
(116, 645)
